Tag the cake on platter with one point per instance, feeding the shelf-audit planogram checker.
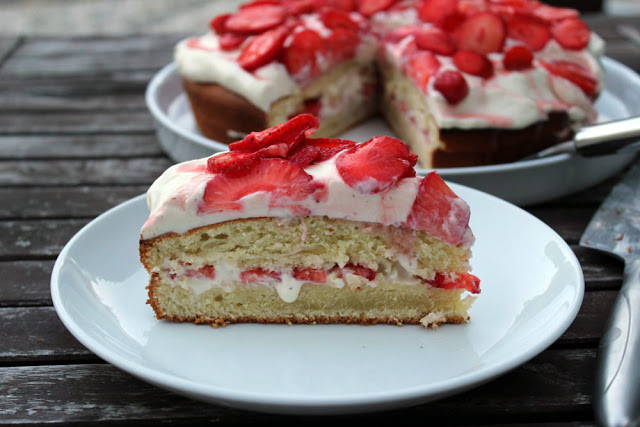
(462, 82)
(286, 228)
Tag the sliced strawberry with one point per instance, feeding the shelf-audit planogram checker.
(473, 63)
(284, 181)
(438, 211)
(571, 33)
(471, 7)
(230, 41)
(483, 33)
(299, 7)
(456, 281)
(290, 133)
(452, 85)
(369, 7)
(347, 5)
(342, 44)
(301, 56)
(575, 73)
(336, 18)
(217, 24)
(530, 31)
(329, 147)
(256, 19)
(375, 165)
(359, 270)
(517, 58)
(551, 13)
(313, 275)
(420, 67)
(398, 34)
(259, 275)
(435, 40)
(263, 48)
(304, 155)
(232, 162)
(255, 3)
(443, 13)
(207, 271)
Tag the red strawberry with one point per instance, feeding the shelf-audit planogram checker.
(456, 281)
(517, 58)
(575, 73)
(375, 165)
(255, 3)
(435, 40)
(529, 31)
(452, 86)
(301, 55)
(263, 48)
(259, 275)
(551, 14)
(230, 41)
(443, 13)
(304, 155)
(342, 45)
(347, 5)
(483, 33)
(232, 162)
(290, 133)
(254, 19)
(420, 66)
(398, 34)
(207, 271)
(335, 18)
(329, 147)
(571, 33)
(299, 7)
(314, 275)
(359, 270)
(473, 63)
(284, 181)
(217, 24)
(438, 211)
(369, 7)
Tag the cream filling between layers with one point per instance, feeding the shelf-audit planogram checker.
(227, 278)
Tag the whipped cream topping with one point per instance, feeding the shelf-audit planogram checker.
(176, 197)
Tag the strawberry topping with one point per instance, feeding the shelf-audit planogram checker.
(259, 275)
(438, 211)
(302, 53)
(473, 63)
(263, 48)
(420, 67)
(284, 181)
(230, 41)
(518, 58)
(376, 165)
(530, 31)
(435, 40)
(342, 45)
(551, 13)
(369, 7)
(452, 85)
(456, 281)
(217, 24)
(483, 33)
(443, 13)
(254, 19)
(290, 133)
(336, 18)
(314, 275)
(574, 73)
(571, 33)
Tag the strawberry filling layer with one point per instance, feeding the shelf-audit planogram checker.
(287, 282)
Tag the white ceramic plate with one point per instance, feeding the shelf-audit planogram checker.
(532, 288)
(554, 177)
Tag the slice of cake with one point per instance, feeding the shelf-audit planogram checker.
(284, 228)
(462, 82)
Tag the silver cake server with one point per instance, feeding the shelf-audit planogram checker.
(615, 229)
(617, 136)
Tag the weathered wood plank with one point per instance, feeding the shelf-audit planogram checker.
(601, 271)
(7, 46)
(78, 146)
(25, 283)
(588, 326)
(29, 239)
(553, 385)
(76, 122)
(38, 47)
(11, 101)
(63, 202)
(81, 172)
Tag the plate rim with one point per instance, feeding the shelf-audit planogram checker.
(170, 69)
(335, 404)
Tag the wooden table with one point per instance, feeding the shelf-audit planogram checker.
(77, 139)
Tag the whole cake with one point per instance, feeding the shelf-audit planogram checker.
(462, 82)
(285, 228)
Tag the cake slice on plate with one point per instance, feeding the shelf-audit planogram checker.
(284, 228)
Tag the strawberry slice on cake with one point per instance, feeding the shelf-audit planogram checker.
(286, 228)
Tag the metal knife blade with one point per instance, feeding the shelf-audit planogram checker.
(615, 229)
